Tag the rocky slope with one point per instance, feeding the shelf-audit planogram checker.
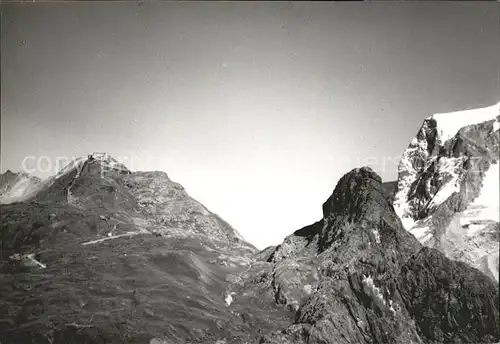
(104, 255)
(16, 187)
(448, 187)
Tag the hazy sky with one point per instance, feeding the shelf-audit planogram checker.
(256, 108)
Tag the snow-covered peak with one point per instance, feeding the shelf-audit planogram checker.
(447, 194)
(422, 154)
(450, 123)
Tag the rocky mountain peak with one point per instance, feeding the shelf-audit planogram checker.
(357, 276)
(17, 186)
(448, 191)
(353, 189)
(110, 251)
(359, 204)
(138, 201)
(358, 218)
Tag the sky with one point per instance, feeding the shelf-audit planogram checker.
(257, 109)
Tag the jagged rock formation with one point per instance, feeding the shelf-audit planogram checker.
(16, 187)
(358, 276)
(448, 187)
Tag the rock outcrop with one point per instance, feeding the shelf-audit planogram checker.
(357, 276)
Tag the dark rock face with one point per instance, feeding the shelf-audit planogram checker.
(358, 208)
(361, 247)
(450, 302)
(370, 279)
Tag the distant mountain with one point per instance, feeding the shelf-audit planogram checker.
(16, 187)
(448, 186)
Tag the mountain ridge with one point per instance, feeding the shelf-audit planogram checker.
(357, 277)
(106, 255)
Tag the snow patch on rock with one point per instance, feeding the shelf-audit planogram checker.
(391, 307)
(371, 290)
(407, 176)
(308, 289)
(422, 232)
(447, 168)
(229, 299)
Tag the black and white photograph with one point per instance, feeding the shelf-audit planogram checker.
(249, 172)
